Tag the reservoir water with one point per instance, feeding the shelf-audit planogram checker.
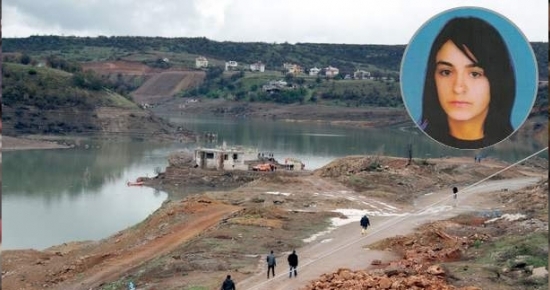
(50, 197)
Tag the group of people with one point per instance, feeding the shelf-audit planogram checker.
(228, 283)
(292, 263)
(292, 259)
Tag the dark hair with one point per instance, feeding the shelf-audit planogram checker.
(455, 190)
(487, 46)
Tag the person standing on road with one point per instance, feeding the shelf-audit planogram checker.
(365, 223)
(455, 195)
(228, 284)
(293, 263)
(271, 263)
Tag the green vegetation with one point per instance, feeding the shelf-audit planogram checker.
(46, 100)
(247, 86)
(47, 88)
(45, 71)
(506, 249)
(347, 57)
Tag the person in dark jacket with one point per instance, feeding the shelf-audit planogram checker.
(293, 263)
(455, 195)
(271, 263)
(228, 284)
(365, 223)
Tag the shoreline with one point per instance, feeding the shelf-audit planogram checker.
(253, 217)
(10, 143)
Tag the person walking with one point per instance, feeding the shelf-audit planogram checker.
(293, 263)
(455, 196)
(271, 263)
(365, 223)
(228, 284)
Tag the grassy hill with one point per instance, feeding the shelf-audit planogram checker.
(41, 100)
(82, 78)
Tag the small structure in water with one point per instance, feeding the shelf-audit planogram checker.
(224, 158)
(238, 158)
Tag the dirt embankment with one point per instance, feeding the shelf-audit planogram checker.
(162, 87)
(159, 85)
(362, 117)
(105, 123)
(196, 240)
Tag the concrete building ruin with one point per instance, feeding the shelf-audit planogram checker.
(224, 158)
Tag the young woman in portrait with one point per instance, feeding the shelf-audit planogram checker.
(470, 86)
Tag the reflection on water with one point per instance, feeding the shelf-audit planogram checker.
(318, 144)
(54, 196)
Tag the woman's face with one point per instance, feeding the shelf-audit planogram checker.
(462, 87)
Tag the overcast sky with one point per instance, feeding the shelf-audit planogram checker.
(318, 21)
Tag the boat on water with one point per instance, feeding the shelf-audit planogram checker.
(137, 183)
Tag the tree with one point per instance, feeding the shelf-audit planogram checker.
(25, 59)
(289, 78)
(213, 72)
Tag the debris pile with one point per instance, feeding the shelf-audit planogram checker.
(434, 278)
(418, 268)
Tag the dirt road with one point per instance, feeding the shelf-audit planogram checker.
(345, 247)
(208, 216)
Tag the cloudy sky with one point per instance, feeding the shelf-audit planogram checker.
(319, 21)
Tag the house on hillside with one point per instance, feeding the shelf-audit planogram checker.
(314, 71)
(258, 66)
(230, 65)
(361, 75)
(293, 68)
(201, 62)
(331, 72)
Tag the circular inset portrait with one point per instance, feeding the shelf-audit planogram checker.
(469, 78)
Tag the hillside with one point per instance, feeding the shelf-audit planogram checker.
(161, 87)
(40, 100)
(345, 56)
(161, 72)
(182, 51)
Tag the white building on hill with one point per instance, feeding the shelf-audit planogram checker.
(259, 66)
(201, 62)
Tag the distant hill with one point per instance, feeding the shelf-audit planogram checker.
(156, 69)
(347, 57)
(41, 100)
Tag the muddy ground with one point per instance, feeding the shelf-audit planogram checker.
(194, 240)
